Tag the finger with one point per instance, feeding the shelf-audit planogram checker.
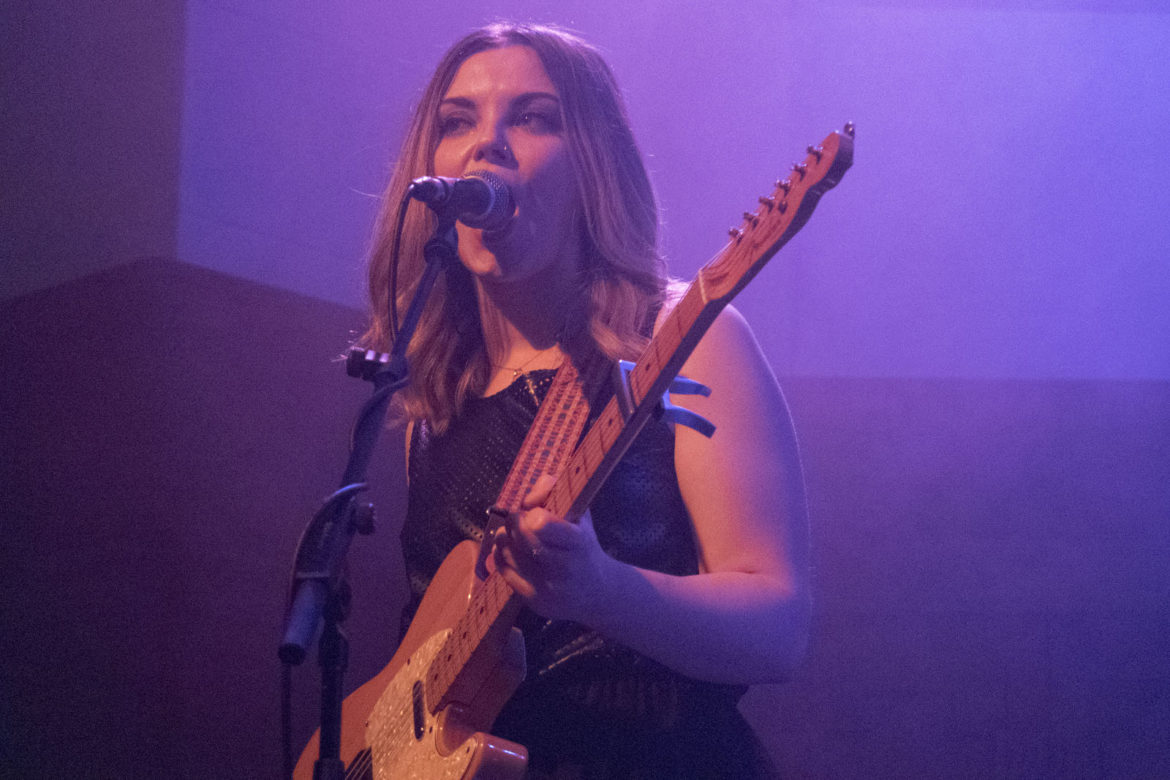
(515, 580)
(561, 534)
(557, 534)
(539, 492)
(531, 529)
(526, 557)
(505, 553)
(521, 586)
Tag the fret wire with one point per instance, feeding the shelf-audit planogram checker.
(607, 430)
(573, 475)
(593, 455)
(650, 370)
(637, 388)
(692, 313)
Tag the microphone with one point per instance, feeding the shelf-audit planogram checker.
(479, 200)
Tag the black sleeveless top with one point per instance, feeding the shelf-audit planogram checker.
(588, 704)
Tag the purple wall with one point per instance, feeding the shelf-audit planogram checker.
(1005, 217)
(91, 97)
(159, 463)
(990, 514)
(990, 556)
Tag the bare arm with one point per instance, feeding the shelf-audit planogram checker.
(744, 618)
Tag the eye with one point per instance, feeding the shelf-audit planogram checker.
(454, 124)
(540, 121)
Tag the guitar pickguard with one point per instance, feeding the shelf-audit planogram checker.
(407, 742)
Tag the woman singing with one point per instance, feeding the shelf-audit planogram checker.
(687, 580)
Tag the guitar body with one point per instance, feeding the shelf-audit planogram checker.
(387, 729)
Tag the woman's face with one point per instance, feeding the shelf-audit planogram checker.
(502, 114)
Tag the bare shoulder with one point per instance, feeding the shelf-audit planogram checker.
(743, 486)
(728, 359)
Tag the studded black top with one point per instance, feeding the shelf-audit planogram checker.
(588, 702)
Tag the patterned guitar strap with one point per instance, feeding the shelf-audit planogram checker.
(550, 440)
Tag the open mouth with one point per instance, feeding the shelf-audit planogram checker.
(497, 236)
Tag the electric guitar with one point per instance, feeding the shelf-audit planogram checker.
(426, 714)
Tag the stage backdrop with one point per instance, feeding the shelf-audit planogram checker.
(990, 556)
(971, 332)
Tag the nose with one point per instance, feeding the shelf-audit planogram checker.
(492, 146)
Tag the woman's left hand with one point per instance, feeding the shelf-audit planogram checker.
(557, 566)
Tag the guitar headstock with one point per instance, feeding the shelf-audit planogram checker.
(779, 216)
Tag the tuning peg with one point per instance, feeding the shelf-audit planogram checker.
(816, 151)
(849, 129)
(735, 233)
(800, 168)
(784, 184)
(751, 218)
(766, 201)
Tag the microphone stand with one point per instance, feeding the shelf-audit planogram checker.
(319, 590)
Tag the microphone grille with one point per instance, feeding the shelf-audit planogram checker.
(499, 208)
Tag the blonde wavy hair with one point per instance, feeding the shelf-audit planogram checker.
(622, 280)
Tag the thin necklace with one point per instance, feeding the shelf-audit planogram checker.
(527, 377)
(520, 368)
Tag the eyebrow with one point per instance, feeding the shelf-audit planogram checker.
(525, 97)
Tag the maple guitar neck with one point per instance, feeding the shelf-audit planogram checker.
(763, 232)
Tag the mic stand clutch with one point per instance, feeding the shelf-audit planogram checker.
(319, 591)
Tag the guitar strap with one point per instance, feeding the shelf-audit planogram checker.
(558, 425)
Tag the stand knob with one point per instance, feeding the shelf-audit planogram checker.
(363, 519)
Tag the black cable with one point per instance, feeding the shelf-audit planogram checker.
(286, 718)
(394, 264)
